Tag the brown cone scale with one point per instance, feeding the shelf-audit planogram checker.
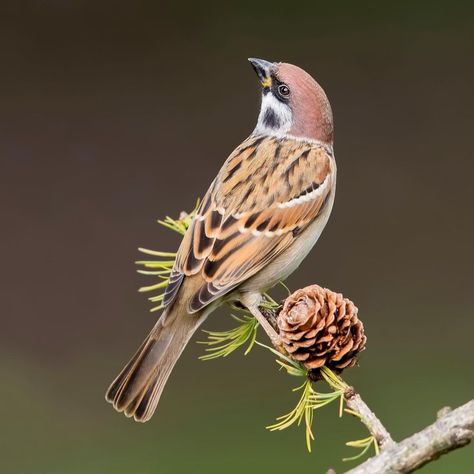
(319, 327)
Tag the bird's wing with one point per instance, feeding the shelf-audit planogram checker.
(266, 193)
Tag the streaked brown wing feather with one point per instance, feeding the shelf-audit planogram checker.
(266, 193)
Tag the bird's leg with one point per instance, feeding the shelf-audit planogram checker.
(251, 302)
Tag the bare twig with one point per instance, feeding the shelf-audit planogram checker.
(358, 407)
(270, 315)
(453, 430)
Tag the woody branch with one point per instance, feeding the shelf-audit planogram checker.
(452, 430)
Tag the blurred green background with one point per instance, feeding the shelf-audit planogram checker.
(114, 114)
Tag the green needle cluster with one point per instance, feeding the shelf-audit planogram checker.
(162, 267)
(221, 344)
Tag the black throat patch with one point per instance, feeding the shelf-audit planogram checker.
(271, 119)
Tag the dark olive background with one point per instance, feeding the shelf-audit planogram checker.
(114, 114)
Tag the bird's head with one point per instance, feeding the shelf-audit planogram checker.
(293, 103)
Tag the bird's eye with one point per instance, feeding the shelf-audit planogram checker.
(283, 90)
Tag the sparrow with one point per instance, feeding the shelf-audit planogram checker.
(260, 217)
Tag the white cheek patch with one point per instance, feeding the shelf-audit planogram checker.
(275, 116)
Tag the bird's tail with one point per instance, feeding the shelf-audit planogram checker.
(137, 389)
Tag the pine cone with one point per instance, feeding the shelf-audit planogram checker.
(319, 327)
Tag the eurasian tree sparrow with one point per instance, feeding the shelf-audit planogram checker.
(260, 217)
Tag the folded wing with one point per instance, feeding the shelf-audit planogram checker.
(267, 192)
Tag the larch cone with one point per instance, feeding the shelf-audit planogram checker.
(319, 327)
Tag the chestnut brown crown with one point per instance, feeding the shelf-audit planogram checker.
(293, 103)
(312, 113)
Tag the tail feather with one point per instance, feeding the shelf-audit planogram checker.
(137, 389)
